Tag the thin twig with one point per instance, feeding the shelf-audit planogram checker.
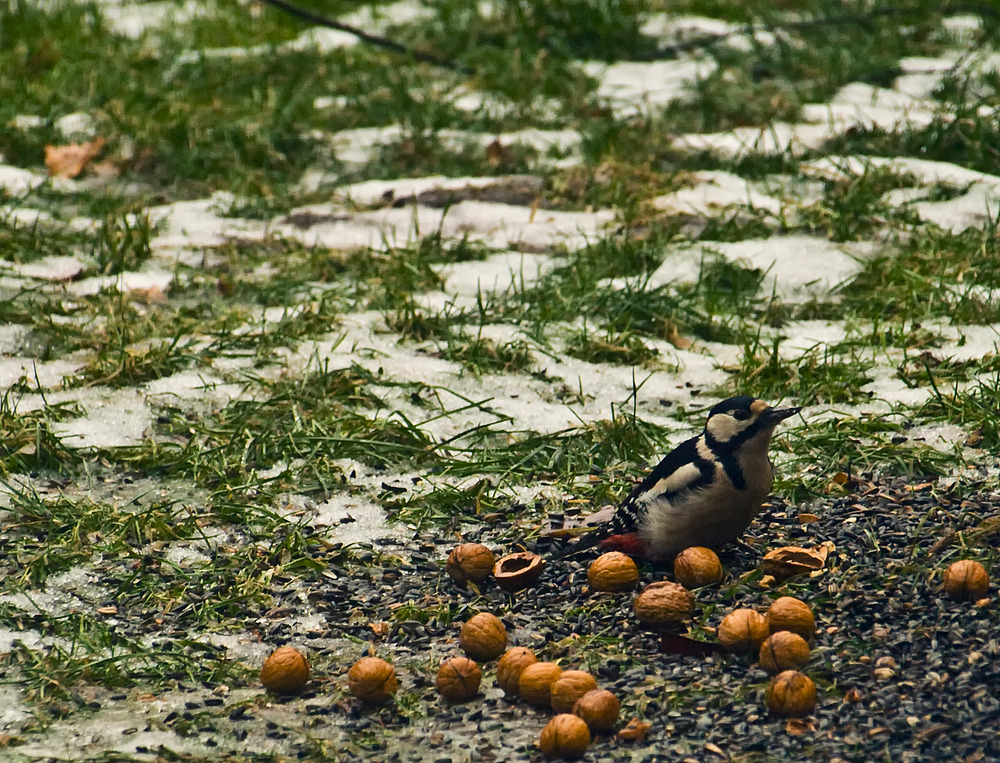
(371, 39)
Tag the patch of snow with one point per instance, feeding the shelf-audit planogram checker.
(48, 373)
(51, 268)
(499, 273)
(115, 418)
(185, 555)
(353, 519)
(155, 283)
(796, 267)
(76, 126)
(717, 189)
(196, 224)
(27, 122)
(499, 226)
(634, 86)
(195, 386)
(133, 20)
(371, 192)
(17, 181)
(803, 337)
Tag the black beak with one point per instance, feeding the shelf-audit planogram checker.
(774, 415)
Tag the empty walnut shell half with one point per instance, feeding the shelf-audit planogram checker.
(516, 572)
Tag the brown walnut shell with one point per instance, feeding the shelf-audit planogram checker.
(696, 567)
(458, 679)
(613, 571)
(483, 637)
(372, 680)
(790, 614)
(791, 694)
(565, 736)
(569, 687)
(535, 683)
(966, 580)
(515, 572)
(509, 669)
(783, 650)
(470, 561)
(599, 709)
(742, 631)
(286, 671)
(662, 604)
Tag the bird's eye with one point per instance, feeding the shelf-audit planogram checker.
(741, 415)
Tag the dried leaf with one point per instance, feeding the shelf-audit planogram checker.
(70, 160)
(799, 726)
(841, 478)
(805, 519)
(635, 731)
(789, 561)
(675, 338)
(379, 628)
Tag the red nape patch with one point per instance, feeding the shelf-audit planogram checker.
(629, 543)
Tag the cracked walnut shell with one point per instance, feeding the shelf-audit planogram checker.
(372, 680)
(565, 736)
(483, 637)
(286, 671)
(470, 561)
(742, 631)
(613, 571)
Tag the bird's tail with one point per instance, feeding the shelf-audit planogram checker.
(603, 529)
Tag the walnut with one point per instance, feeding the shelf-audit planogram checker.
(535, 683)
(742, 631)
(966, 579)
(565, 736)
(791, 614)
(470, 561)
(613, 571)
(599, 709)
(517, 571)
(286, 671)
(458, 679)
(783, 650)
(696, 567)
(483, 637)
(372, 680)
(569, 687)
(514, 660)
(662, 604)
(791, 694)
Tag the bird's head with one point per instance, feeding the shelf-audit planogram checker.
(741, 419)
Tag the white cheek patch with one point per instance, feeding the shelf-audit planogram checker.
(723, 427)
(679, 480)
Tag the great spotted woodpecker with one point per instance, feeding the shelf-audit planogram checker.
(707, 490)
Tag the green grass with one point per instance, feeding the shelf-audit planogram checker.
(231, 481)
